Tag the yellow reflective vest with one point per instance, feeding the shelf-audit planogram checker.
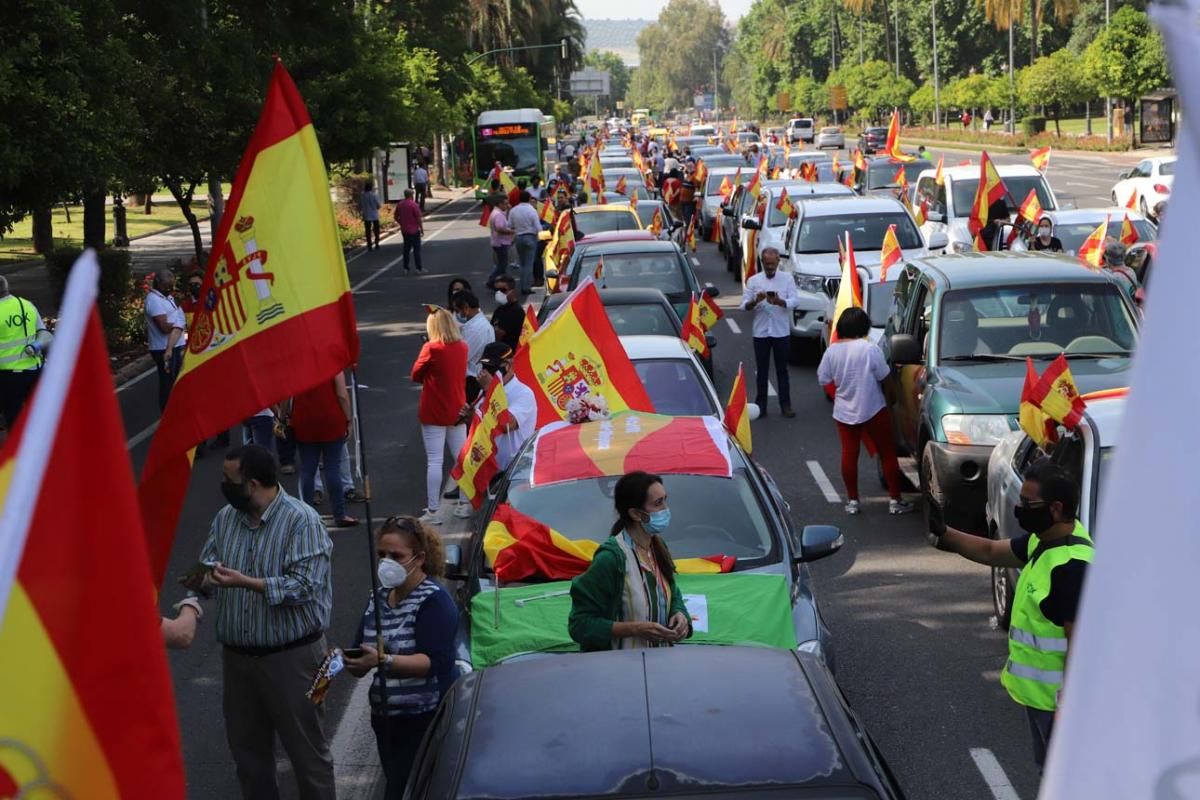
(19, 325)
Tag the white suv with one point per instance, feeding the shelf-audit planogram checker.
(950, 203)
(801, 129)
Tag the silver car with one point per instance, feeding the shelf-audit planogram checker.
(831, 136)
(1086, 455)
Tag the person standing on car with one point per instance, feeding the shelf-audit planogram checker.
(856, 366)
(1053, 557)
(771, 295)
(628, 596)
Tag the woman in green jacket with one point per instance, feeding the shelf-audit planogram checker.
(628, 596)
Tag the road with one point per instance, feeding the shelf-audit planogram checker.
(917, 653)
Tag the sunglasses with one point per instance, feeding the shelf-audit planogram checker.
(404, 523)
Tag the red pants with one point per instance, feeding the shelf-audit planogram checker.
(879, 429)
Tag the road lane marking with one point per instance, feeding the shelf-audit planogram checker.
(823, 482)
(141, 435)
(136, 379)
(356, 770)
(771, 390)
(365, 281)
(993, 774)
(733, 326)
(695, 262)
(1088, 185)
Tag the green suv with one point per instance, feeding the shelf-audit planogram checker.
(960, 331)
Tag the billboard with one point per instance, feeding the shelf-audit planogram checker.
(590, 83)
(703, 101)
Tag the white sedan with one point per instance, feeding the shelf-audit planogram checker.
(1150, 180)
(830, 137)
(674, 378)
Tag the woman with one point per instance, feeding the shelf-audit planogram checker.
(419, 621)
(628, 596)
(1045, 239)
(440, 369)
(456, 285)
(320, 422)
(855, 365)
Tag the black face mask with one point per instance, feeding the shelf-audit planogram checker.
(1036, 520)
(194, 291)
(235, 495)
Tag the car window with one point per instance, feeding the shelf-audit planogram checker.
(655, 270)
(821, 234)
(643, 319)
(1145, 169)
(599, 221)
(882, 174)
(1166, 168)
(675, 387)
(903, 291)
(1072, 235)
(645, 212)
(881, 299)
(1018, 189)
(1039, 320)
(923, 316)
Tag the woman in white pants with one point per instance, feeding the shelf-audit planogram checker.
(439, 369)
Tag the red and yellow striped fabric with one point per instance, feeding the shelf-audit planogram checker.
(849, 289)
(710, 312)
(892, 147)
(737, 420)
(990, 190)
(477, 463)
(890, 253)
(693, 330)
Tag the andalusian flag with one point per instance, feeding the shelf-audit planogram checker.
(529, 327)
(87, 709)
(892, 147)
(1035, 422)
(784, 205)
(477, 463)
(710, 312)
(278, 315)
(737, 419)
(621, 187)
(1129, 234)
(577, 352)
(1040, 158)
(693, 330)
(1091, 252)
(990, 190)
(889, 254)
(1031, 209)
(849, 288)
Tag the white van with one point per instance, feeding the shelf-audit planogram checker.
(801, 129)
(703, 130)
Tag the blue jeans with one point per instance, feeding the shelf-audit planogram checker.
(527, 247)
(332, 454)
(347, 478)
(260, 431)
(764, 348)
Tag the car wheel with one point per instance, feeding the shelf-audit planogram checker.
(1003, 587)
(930, 486)
(1114, 198)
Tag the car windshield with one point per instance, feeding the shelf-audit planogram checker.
(674, 386)
(1041, 321)
(879, 302)
(645, 212)
(821, 234)
(656, 270)
(712, 184)
(519, 152)
(709, 515)
(1166, 168)
(617, 219)
(1072, 235)
(641, 319)
(882, 174)
(1018, 189)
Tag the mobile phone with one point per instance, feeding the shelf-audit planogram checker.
(771, 295)
(197, 571)
(352, 652)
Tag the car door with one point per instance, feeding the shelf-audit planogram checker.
(911, 378)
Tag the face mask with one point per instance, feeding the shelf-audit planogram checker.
(501, 298)
(235, 495)
(194, 290)
(658, 522)
(1034, 520)
(462, 318)
(391, 573)
(1044, 233)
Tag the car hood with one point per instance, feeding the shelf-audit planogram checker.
(996, 388)
(827, 264)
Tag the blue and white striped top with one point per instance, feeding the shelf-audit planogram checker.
(423, 622)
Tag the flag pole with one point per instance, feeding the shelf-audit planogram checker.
(361, 452)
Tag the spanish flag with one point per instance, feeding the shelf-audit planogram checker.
(87, 709)
(978, 245)
(595, 175)
(737, 420)
(938, 178)
(860, 162)
(1056, 394)
(892, 148)
(529, 327)
(576, 351)
(784, 205)
(921, 214)
(700, 177)
(1129, 234)
(547, 211)
(1091, 252)
(1132, 202)
(1040, 158)
(563, 238)
(710, 312)
(477, 463)
(693, 330)
(726, 188)
(1031, 209)
(749, 256)
(889, 254)
(1035, 422)
(900, 179)
(621, 187)
(278, 316)
(656, 222)
(690, 235)
(990, 190)
(754, 187)
(849, 289)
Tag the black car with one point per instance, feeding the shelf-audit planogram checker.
(872, 140)
(882, 173)
(680, 722)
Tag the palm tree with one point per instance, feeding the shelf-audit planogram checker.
(862, 9)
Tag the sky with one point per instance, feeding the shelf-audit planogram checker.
(648, 9)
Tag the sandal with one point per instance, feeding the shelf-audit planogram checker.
(345, 522)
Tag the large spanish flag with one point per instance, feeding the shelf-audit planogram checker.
(278, 316)
(477, 464)
(577, 352)
(892, 147)
(737, 418)
(694, 331)
(990, 190)
(86, 710)
(850, 293)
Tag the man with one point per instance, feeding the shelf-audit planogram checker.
(509, 316)
(271, 555)
(476, 332)
(1045, 239)
(166, 335)
(368, 205)
(923, 153)
(526, 224)
(501, 239)
(412, 227)
(23, 338)
(522, 405)
(687, 194)
(771, 295)
(987, 120)
(421, 184)
(1053, 557)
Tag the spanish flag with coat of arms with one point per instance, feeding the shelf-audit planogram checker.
(277, 315)
(478, 462)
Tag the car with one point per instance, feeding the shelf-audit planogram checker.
(770, 724)
(822, 161)
(747, 139)
(830, 136)
(878, 298)
(950, 203)
(551, 270)
(773, 225)
(958, 340)
(882, 173)
(705, 131)
(1085, 454)
(801, 129)
(677, 380)
(724, 160)
(726, 506)
(615, 216)
(810, 254)
(710, 205)
(872, 140)
(621, 161)
(1074, 225)
(1151, 180)
(672, 226)
(706, 150)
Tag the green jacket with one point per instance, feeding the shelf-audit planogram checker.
(596, 598)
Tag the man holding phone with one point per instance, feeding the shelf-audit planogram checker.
(771, 295)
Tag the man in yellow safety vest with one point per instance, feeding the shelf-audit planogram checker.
(1053, 557)
(23, 341)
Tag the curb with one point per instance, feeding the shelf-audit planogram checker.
(1090, 155)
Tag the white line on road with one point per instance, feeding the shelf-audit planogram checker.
(993, 774)
(141, 436)
(356, 769)
(135, 379)
(909, 467)
(771, 390)
(823, 482)
(733, 326)
(1088, 185)
(695, 262)
(400, 258)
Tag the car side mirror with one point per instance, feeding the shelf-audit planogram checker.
(710, 340)
(454, 563)
(676, 225)
(1123, 174)
(938, 240)
(936, 216)
(727, 211)
(710, 290)
(751, 224)
(905, 349)
(819, 541)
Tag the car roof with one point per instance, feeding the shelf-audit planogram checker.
(650, 245)
(802, 188)
(636, 704)
(618, 297)
(1092, 215)
(965, 270)
(837, 205)
(653, 346)
(593, 208)
(638, 235)
(724, 170)
(972, 171)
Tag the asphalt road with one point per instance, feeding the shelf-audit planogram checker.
(916, 651)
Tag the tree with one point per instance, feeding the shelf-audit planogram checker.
(921, 101)
(677, 51)
(618, 73)
(1054, 81)
(1127, 59)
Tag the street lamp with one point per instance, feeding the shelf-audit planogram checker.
(1012, 110)
(1107, 100)
(937, 106)
(562, 45)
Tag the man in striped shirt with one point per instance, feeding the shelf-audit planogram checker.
(271, 556)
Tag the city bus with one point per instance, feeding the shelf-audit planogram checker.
(523, 140)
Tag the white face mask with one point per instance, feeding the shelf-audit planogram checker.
(501, 297)
(391, 573)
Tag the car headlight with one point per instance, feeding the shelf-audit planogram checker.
(986, 429)
(813, 284)
(960, 247)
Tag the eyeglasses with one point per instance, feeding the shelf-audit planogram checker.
(1026, 503)
(404, 523)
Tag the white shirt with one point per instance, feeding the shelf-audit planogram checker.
(478, 333)
(523, 406)
(524, 219)
(771, 321)
(856, 366)
(159, 305)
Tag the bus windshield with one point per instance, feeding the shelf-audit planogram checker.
(514, 145)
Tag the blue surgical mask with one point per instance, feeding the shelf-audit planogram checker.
(658, 522)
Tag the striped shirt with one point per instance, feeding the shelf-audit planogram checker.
(290, 549)
(425, 622)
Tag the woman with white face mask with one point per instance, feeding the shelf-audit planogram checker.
(419, 620)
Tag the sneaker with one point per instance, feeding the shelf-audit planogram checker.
(430, 517)
(287, 469)
(900, 507)
(355, 496)
(318, 498)
(453, 494)
(463, 510)
(852, 507)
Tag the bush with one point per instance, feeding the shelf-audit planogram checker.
(1095, 144)
(350, 225)
(119, 302)
(1032, 126)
